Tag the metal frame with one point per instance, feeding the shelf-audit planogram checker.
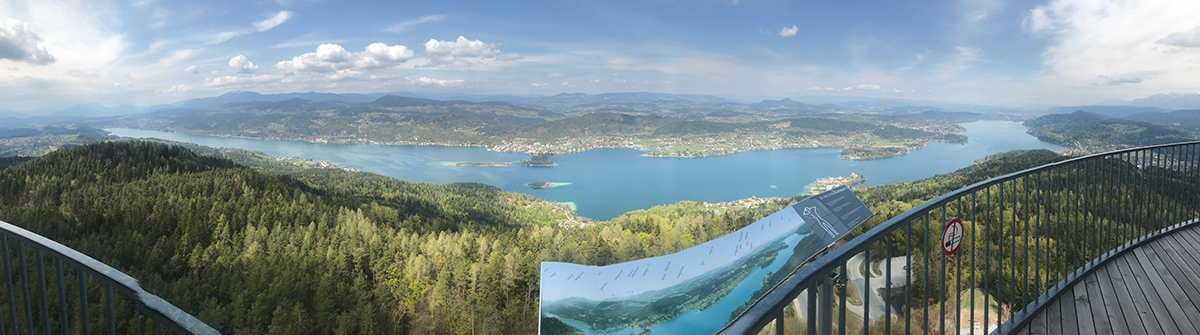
(1083, 186)
(112, 280)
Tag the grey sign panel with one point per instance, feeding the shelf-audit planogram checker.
(698, 290)
(834, 213)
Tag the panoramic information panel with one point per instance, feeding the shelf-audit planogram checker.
(701, 289)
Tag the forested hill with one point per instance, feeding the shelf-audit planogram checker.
(1090, 132)
(325, 251)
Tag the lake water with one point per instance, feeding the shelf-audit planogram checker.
(605, 183)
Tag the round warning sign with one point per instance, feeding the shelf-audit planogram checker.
(952, 236)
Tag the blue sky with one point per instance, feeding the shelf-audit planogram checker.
(1058, 52)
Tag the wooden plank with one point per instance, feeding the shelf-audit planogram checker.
(1188, 243)
(1112, 304)
(1180, 316)
(1038, 325)
(1185, 275)
(1190, 235)
(1054, 320)
(1141, 305)
(1070, 322)
(1024, 330)
(1100, 320)
(1083, 308)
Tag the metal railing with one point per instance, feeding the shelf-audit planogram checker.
(29, 308)
(1026, 237)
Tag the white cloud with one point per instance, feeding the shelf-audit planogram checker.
(191, 70)
(538, 84)
(1127, 78)
(273, 21)
(1113, 44)
(333, 57)
(868, 87)
(403, 26)
(20, 44)
(462, 54)
(260, 26)
(181, 88)
(1186, 39)
(818, 88)
(439, 82)
(241, 64)
(789, 32)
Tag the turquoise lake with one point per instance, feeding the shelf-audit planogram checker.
(605, 183)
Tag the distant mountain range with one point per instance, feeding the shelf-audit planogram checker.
(1168, 101)
(680, 104)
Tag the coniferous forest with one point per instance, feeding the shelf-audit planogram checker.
(275, 250)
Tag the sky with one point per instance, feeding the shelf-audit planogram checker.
(57, 53)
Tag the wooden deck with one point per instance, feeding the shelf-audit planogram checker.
(1153, 289)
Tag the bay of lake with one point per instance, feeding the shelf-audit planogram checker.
(604, 183)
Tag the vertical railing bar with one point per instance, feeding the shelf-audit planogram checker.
(942, 282)
(1072, 215)
(813, 319)
(41, 264)
(987, 260)
(958, 274)
(83, 302)
(1039, 230)
(1141, 190)
(974, 231)
(866, 296)
(842, 299)
(1169, 220)
(1123, 213)
(12, 301)
(1158, 192)
(137, 322)
(108, 311)
(62, 297)
(907, 276)
(1000, 255)
(1025, 269)
(25, 287)
(1013, 253)
(925, 253)
(1089, 210)
(887, 284)
(1176, 169)
(1064, 224)
(1105, 201)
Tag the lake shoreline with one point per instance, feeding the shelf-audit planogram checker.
(609, 182)
(646, 152)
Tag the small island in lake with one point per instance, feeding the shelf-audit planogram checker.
(545, 184)
(539, 159)
(829, 183)
(479, 164)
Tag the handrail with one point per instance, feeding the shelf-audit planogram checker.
(1177, 157)
(150, 305)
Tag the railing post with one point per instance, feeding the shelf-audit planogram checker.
(825, 302)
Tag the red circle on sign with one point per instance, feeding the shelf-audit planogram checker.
(952, 236)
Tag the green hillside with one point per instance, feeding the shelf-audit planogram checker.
(322, 251)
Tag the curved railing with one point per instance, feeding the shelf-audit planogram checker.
(1026, 236)
(37, 308)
